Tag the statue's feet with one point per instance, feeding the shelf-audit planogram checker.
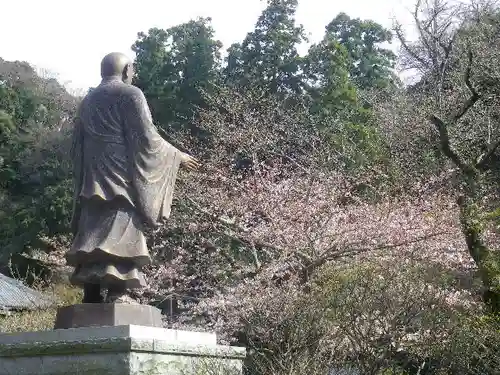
(92, 294)
(120, 297)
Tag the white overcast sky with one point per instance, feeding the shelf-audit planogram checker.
(70, 37)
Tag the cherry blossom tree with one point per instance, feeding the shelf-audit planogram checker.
(455, 53)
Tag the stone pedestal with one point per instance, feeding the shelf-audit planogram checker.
(107, 314)
(119, 350)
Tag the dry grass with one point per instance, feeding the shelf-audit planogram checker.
(41, 320)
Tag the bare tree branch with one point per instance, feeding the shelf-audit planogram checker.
(442, 127)
(422, 31)
(406, 47)
(474, 97)
(444, 140)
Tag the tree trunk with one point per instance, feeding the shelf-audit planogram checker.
(487, 260)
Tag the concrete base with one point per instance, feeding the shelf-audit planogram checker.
(119, 350)
(107, 314)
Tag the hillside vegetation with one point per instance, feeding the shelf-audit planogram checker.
(340, 219)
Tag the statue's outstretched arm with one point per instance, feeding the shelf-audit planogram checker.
(142, 129)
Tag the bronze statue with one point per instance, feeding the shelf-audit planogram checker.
(124, 174)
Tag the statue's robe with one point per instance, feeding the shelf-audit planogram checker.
(124, 174)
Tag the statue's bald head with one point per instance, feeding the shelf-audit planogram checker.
(117, 64)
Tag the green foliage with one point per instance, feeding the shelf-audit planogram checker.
(399, 322)
(379, 318)
(179, 68)
(35, 180)
(174, 66)
(348, 59)
(37, 201)
(268, 58)
(370, 65)
(18, 103)
(327, 70)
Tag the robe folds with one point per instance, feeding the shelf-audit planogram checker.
(124, 174)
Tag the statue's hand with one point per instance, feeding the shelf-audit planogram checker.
(189, 162)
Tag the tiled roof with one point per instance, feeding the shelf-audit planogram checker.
(14, 295)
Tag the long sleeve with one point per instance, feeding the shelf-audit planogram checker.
(154, 163)
(76, 156)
